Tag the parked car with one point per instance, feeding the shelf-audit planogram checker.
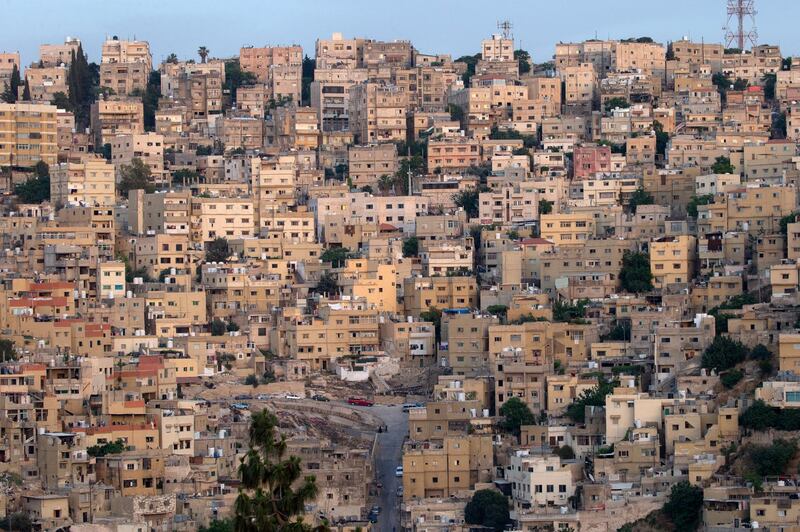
(373, 518)
(243, 397)
(292, 396)
(319, 397)
(409, 406)
(262, 397)
(399, 491)
(240, 406)
(398, 471)
(359, 401)
(375, 510)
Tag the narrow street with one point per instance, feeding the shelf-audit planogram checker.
(388, 457)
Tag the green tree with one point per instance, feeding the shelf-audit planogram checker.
(134, 176)
(616, 102)
(251, 380)
(150, 99)
(411, 247)
(224, 525)
(467, 199)
(26, 91)
(760, 416)
(272, 495)
(565, 452)
(564, 311)
(433, 315)
(203, 52)
(456, 112)
(593, 397)
(337, 256)
(80, 82)
(662, 138)
(635, 275)
(327, 285)
(33, 190)
(309, 65)
(235, 77)
(722, 165)
(619, 332)
(471, 61)
(760, 352)
(488, 508)
(723, 353)
(61, 101)
(218, 327)
(7, 351)
(11, 94)
(705, 199)
(185, 176)
(545, 206)
(523, 58)
(640, 197)
(684, 505)
(172, 59)
(217, 250)
(771, 460)
(731, 378)
(17, 522)
(516, 414)
(501, 311)
(107, 448)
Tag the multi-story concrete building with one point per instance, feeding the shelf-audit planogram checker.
(116, 116)
(377, 113)
(28, 134)
(90, 181)
(147, 147)
(125, 65)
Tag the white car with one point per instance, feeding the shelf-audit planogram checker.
(398, 471)
(292, 396)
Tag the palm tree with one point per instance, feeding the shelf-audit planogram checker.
(267, 502)
(172, 58)
(203, 53)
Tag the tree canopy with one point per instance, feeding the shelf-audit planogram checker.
(640, 197)
(722, 165)
(516, 415)
(593, 397)
(684, 505)
(635, 275)
(411, 247)
(488, 508)
(134, 176)
(217, 250)
(272, 495)
(336, 256)
(723, 353)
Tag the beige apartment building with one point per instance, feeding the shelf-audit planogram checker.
(213, 218)
(422, 293)
(89, 182)
(451, 154)
(28, 134)
(510, 204)
(754, 208)
(58, 54)
(242, 132)
(465, 342)
(45, 82)
(541, 481)
(147, 147)
(377, 113)
(433, 469)
(125, 65)
(673, 260)
(368, 163)
(330, 95)
(565, 229)
(116, 116)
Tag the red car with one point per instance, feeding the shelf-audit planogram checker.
(359, 401)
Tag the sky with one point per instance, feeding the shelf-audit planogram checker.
(434, 26)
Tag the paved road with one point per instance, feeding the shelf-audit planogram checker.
(389, 456)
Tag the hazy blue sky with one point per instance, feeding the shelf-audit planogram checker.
(446, 26)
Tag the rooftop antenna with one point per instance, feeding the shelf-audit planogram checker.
(741, 9)
(505, 26)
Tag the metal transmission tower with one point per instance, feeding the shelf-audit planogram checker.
(505, 26)
(740, 9)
